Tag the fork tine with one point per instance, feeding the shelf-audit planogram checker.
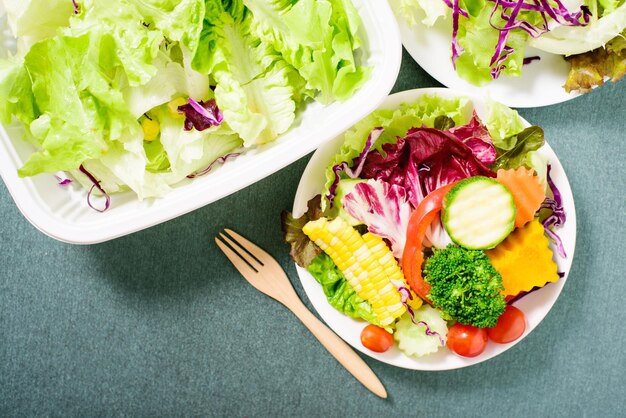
(240, 264)
(244, 243)
(241, 252)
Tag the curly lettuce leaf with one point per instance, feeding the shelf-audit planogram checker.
(339, 293)
(426, 11)
(502, 123)
(180, 21)
(255, 88)
(317, 38)
(34, 20)
(590, 69)
(303, 250)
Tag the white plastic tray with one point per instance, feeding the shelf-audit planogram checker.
(63, 213)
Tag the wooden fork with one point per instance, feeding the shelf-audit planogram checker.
(263, 272)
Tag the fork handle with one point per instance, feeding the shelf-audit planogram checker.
(342, 352)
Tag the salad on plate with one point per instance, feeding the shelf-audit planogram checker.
(488, 39)
(432, 225)
(138, 95)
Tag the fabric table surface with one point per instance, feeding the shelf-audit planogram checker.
(158, 323)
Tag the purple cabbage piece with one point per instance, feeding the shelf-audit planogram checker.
(76, 8)
(62, 181)
(96, 184)
(528, 60)
(557, 216)
(509, 11)
(357, 162)
(220, 160)
(201, 115)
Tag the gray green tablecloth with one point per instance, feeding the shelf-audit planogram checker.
(158, 323)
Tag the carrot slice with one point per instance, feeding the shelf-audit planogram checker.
(527, 190)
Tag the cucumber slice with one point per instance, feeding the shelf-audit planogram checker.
(478, 213)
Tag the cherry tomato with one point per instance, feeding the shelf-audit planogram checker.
(376, 339)
(467, 340)
(510, 326)
(412, 257)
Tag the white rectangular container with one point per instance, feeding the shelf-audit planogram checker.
(63, 213)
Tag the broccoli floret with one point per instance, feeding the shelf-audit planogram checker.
(465, 286)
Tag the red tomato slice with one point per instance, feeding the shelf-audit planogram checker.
(467, 340)
(412, 257)
(376, 339)
(511, 325)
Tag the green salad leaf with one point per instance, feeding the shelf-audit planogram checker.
(518, 147)
(339, 293)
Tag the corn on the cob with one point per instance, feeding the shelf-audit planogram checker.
(380, 252)
(359, 258)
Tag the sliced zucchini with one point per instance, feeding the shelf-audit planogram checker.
(478, 213)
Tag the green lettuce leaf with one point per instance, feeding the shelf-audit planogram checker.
(530, 139)
(478, 38)
(34, 20)
(178, 20)
(339, 293)
(503, 123)
(318, 38)
(426, 11)
(254, 84)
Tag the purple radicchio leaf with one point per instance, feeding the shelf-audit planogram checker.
(476, 136)
(424, 160)
(357, 163)
(201, 115)
(384, 208)
(96, 185)
(557, 216)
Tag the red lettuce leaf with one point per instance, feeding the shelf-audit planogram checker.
(427, 159)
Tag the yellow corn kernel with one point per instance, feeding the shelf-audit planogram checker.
(174, 104)
(151, 129)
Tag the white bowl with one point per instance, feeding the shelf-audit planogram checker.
(535, 305)
(63, 213)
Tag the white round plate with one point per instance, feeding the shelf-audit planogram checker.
(535, 305)
(540, 84)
